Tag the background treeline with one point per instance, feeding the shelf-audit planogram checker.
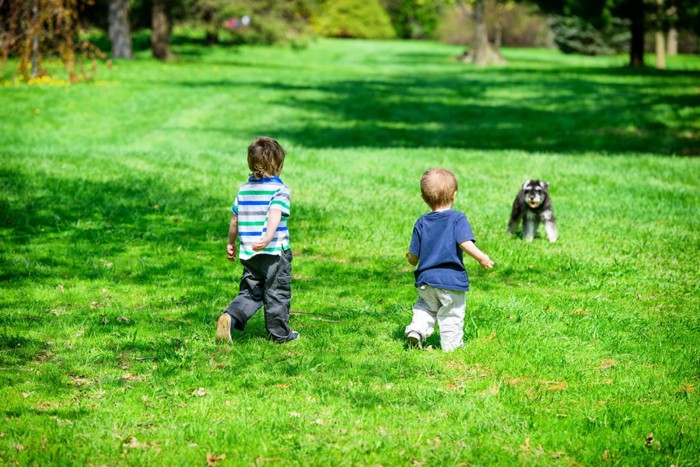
(78, 31)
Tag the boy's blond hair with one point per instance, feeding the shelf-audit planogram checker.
(265, 157)
(438, 187)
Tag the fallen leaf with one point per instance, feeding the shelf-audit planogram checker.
(649, 440)
(60, 287)
(434, 442)
(27, 394)
(515, 381)
(294, 414)
(133, 443)
(687, 388)
(213, 460)
(79, 380)
(607, 363)
(199, 392)
(558, 387)
(526, 445)
(106, 263)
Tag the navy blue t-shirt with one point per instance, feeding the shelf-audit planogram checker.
(436, 238)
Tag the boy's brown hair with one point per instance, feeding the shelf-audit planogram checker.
(438, 187)
(265, 157)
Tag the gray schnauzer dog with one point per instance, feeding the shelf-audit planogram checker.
(532, 206)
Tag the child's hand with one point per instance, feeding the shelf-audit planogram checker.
(231, 252)
(412, 259)
(257, 246)
(486, 262)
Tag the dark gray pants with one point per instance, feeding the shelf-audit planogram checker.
(266, 281)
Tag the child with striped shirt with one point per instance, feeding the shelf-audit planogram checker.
(259, 221)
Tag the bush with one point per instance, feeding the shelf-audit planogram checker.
(350, 18)
(574, 35)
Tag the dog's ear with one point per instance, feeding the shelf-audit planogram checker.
(526, 183)
(544, 184)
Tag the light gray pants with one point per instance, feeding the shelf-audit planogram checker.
(444, 306)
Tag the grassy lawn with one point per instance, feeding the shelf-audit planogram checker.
(114, 206)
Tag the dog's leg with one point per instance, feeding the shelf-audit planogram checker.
(515, 217)
(529, 228)
(550, 226)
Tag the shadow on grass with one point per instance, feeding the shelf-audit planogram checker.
(16, 350)
(568, 109)
(547, 113)
(69, 225)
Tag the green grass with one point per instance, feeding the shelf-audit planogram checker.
(114, 206)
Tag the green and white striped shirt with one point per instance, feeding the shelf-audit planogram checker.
(253, 203)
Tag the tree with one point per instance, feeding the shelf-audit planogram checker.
(34, 29)
(482, 52)
(119, 31)
(600, 13)
(160, 31)
(683, 13)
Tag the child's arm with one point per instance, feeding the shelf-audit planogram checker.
(274, 218)
(232, 235)
(470, 248)
(412, 259)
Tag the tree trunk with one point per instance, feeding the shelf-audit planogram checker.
(211, 37)
(672, 44)
(498, 33)
(119, 32)
(660, 38)
(35, 39)
(637, 29)
(160, 40)
(660, 50)
(483, 53)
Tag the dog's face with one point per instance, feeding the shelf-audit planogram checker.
(535, 192)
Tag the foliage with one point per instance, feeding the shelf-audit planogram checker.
(36, 30)
(415, 19)
(574, 35)
(684, 14)
(114, 207)
(271, 21)
(641, 13)
(350, 18)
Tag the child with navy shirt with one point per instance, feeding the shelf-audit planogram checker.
(439, 238)
(259, 220)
